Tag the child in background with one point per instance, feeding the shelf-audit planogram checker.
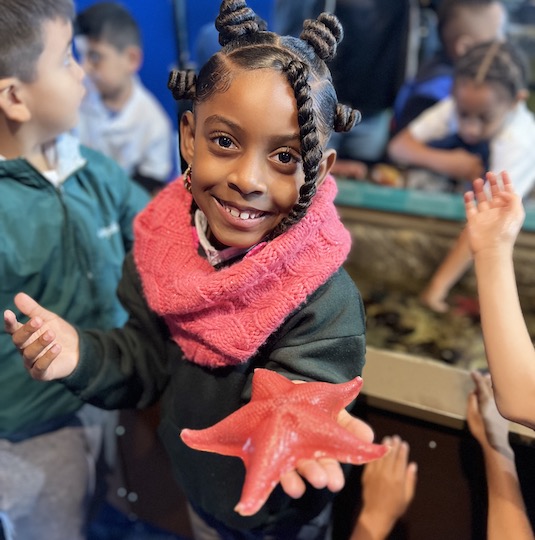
(119, 116)
(237, 265)
(506, 512)
(492, 229)
(461, 25)
(487, 106)
(65, 226)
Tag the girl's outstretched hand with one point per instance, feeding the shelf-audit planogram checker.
(48, 344)
(325, 472)
(494, 223)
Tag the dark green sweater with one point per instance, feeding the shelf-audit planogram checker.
(322, 340)
(64, 247)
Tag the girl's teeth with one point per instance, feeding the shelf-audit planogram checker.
(242, 215)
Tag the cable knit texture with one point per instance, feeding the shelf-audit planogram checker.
(221, 317)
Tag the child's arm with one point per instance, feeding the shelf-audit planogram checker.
(449, 272)
(388, 486)
(493, 227)
(507, 516)
(406, 149)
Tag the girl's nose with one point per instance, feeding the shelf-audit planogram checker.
(248, 178)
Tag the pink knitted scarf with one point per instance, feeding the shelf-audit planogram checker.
(221, 317)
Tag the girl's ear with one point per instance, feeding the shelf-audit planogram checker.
(187, 136)
(327, 162)
(11, 101)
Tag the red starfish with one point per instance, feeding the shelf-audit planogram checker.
(283, 423)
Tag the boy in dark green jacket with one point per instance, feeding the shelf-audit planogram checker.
(65, 226)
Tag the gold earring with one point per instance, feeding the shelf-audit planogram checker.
(187, 178)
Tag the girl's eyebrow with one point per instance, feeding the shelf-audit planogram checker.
(279, 140)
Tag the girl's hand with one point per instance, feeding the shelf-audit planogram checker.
(324, 473)
(44, 357)
(495, 222)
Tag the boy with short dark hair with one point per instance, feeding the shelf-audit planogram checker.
(119, 116)
(65, 227)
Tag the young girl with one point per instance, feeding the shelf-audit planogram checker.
(236, 266)
(487, 106)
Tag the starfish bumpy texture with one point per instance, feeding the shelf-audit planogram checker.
(283, 423)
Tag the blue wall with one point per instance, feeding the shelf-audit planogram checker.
(157, 21)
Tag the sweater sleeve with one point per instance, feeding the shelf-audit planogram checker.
(323, 340)
(125, 367)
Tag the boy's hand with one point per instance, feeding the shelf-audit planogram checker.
(44, 357)
(498, 217)
(324, 473)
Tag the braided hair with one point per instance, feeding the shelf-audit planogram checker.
(247, 45)
(500, 63)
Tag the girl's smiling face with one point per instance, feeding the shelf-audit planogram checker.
(481, 109)
(244, 148)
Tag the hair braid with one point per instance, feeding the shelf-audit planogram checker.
(311, 151)
(235, 20)
(182, 83)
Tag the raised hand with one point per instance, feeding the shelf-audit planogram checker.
(494, 223)
(48, 344)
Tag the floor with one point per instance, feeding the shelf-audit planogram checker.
(112, 524)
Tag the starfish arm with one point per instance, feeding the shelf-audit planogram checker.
(269, 456)
(269, 384)
(321, 437)
(327, 397)
(288, 437)
(229, 435)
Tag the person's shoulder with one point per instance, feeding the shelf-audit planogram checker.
(520, 126)
(102, 168)
(339, 289)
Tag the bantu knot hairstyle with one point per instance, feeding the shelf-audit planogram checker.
(247, 45)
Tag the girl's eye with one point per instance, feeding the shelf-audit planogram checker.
(285, 157)
(223, 141)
